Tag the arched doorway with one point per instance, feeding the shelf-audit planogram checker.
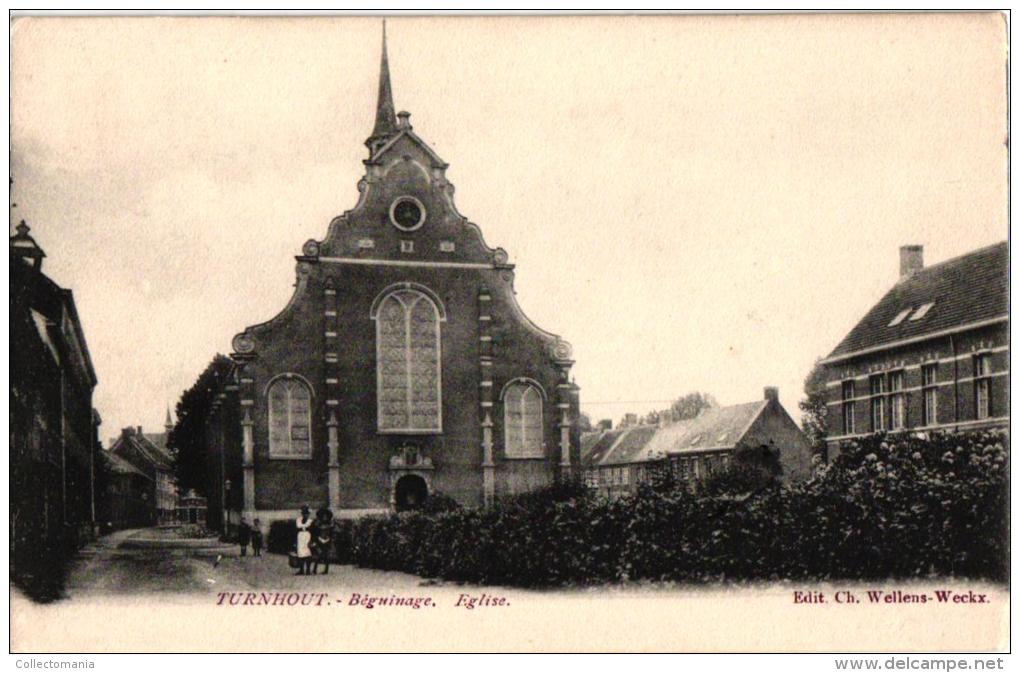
(410, 492)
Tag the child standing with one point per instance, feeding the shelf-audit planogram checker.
(256, 539)
(244, 536)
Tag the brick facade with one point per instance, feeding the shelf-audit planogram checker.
(954, 360)
(53, 436)
(941, 368)
(325, 341)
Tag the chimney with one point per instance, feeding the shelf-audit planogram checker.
(772, 394)
(911, 260)
(404, 120)
(139, 431)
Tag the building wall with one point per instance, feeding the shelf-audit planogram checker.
(774, 427)
(688, 467)
(52, 434)
(956, 399)
(127, 504)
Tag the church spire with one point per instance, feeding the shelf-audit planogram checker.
(385, 113)
(169, 423)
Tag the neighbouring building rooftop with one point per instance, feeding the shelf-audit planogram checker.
(718, 428)
(966, 290)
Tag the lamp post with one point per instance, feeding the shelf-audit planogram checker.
(225, 504)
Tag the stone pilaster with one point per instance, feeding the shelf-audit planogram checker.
(248, 463)
(485, 395)
(246, 386)
(332, 393)
(565, 401)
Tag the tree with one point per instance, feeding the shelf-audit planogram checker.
(584, 422)
(815, 418)
(692, 404)
(752, 468)
(187, 438)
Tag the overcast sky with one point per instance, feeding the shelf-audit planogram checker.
(695, 204)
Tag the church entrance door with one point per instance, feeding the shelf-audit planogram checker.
(411, 491)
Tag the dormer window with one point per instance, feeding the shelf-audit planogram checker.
(922, 311)
(900, 317)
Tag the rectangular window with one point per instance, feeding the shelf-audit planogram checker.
(848, 407)
(983, 385)
(877, 385)
(930, 394)
(897, 402)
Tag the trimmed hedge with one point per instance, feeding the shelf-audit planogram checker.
(282, 537)
(885, 508)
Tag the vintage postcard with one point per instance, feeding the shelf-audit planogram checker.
(708, 351)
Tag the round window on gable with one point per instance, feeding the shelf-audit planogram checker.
(407, 213)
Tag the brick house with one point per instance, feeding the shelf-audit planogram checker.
(616, 461)
(127, 500)
(402, 366)
(147, 452)
(53, 426)
(932, 354)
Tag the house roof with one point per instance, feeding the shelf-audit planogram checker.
(119, 465)
(598, 449)
(157, 439)
(714, 429)
(973, 288)
(150, 450)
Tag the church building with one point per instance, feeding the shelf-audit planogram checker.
(401, 367)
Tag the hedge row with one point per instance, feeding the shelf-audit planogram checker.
(885, 508)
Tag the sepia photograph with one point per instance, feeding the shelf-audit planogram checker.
(707, 352)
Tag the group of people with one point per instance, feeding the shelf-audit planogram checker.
(250, 535)
(313, 547)
(314, 541)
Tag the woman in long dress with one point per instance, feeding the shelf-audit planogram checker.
(304, 538)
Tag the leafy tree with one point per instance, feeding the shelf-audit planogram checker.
(751, 469)
(187, 438)
(815, 418)
(584, 422)
(692, 404)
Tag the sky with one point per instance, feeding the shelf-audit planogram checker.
(695, 203)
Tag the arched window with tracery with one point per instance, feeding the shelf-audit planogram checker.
(522, 420)
(408, 363)
(290, 418)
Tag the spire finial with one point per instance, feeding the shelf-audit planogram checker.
(385, 113)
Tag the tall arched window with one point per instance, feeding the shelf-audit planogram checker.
(522, 420)
(408, 363)
(290, 418)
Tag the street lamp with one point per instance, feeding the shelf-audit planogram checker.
(225, 504)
